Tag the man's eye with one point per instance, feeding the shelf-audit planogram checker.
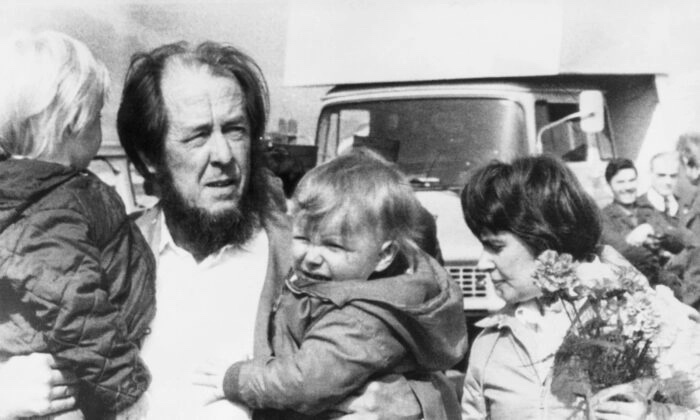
(198, 135)
(236, 128)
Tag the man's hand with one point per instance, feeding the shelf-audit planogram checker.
(388, 398)
(639, 235)
(33, 386)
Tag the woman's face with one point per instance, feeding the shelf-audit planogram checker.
(624, 186)
(511, 263)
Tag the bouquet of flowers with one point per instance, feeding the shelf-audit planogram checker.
(613, 322)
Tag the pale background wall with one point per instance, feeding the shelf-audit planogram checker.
(117, 28)
(114, 30)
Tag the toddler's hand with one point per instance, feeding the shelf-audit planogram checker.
(210, 377)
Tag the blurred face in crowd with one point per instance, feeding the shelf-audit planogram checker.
(511, 263)
(664, 174)
(691, 164)
(624, 186)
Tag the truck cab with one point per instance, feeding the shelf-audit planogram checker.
(437, 132)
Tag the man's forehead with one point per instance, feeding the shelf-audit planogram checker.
(624, 175)
(664, 165)
(190, 83)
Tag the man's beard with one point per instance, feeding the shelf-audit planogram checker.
(205, 233)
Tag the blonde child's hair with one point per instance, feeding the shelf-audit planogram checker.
(51, 89)
(363, 191)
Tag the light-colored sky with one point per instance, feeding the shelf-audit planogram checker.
(114, 30)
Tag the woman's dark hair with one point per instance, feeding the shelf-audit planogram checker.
(616, 165)
(539, 200)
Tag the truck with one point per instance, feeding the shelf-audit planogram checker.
(442, 87)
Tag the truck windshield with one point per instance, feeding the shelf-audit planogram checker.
(440, 138)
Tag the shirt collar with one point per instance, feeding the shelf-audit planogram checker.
(525, 313)
(657, 200)
(166, 239)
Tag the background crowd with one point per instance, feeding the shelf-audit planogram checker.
(658, 231)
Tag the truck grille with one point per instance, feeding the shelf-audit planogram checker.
(471, 280)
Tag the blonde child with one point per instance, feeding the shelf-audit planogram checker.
(361, 301)
(76, 276)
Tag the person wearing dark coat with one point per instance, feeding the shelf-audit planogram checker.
(76, 275)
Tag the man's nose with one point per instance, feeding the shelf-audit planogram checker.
(221, 151)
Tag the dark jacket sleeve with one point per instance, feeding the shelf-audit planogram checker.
(338, 355)
(57, 269)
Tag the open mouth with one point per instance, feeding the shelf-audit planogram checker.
(221, 183)
(311, 276)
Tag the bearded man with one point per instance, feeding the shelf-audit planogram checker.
(190, 119)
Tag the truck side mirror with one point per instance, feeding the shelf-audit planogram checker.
(592, 110)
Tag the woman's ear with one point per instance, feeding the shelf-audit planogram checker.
(386, 255)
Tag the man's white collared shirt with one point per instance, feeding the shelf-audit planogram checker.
(657, 200)
(205, 312)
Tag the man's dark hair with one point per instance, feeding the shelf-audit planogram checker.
(539, 200)
(142, 121)
(616, 165)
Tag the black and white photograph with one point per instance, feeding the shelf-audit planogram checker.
(349, 209)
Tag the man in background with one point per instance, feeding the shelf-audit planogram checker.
(664, 168)
(660, 204)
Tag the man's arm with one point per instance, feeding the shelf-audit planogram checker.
(432, 396)
(391, 397)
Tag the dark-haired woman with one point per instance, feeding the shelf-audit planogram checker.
(518, 211)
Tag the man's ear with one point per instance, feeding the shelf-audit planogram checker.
(386, 255)
(150, 166)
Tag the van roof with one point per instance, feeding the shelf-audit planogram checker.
(538, 84)
(330, 43)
